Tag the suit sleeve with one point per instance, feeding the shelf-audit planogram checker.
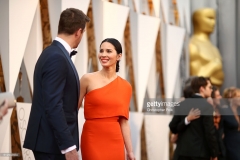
(209, 130)
(174, 124)
(177, 124)
(186, 107)
(181, 125)
(54, 73)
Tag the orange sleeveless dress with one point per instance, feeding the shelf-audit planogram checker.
(101, 136)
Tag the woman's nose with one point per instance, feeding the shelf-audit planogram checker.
(103, 54)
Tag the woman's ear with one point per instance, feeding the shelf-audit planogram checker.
(119, 56)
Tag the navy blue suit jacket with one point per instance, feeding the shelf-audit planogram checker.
(53, 121)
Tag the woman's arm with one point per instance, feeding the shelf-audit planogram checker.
(174, 138)
(83, 89)
(127, 137)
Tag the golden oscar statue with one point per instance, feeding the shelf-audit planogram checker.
(205, 59)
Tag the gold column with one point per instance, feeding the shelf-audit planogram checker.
(176, 18)
(15, 136)
(2, 83)
(46, 30)
(143, 143)
(160, 64)
(151, 9)
(134, 6)
(175, 12)
(129, 62)
(20, 98)
(91, 40)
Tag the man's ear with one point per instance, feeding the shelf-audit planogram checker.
(78, 32)
(82, 30)
(201, 89)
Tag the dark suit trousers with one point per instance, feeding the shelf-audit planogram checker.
(192, 158)
(48, 156)
(221, 158)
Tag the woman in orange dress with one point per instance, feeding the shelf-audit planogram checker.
(106, 108)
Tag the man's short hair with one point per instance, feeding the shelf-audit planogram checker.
(71, 20)
(199, 82)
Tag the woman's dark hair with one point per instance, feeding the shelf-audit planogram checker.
(189, 80)
(187, 91)
(214, 89)
(118, 47)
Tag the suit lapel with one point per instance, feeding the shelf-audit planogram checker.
(70, 61)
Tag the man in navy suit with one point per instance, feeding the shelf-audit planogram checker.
(52, 131)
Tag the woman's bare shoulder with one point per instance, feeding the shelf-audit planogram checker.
(89, 76)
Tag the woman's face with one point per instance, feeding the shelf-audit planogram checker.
(217, 98)
(108, 55)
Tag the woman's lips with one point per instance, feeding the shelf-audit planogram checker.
(104, 60)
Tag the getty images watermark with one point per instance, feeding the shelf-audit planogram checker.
(9, 154)
(183, 106)
(159, 106)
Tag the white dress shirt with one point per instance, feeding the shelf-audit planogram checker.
(186, 121)
(68, 48)
(64, 43)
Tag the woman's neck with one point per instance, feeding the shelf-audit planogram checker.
(108, 73)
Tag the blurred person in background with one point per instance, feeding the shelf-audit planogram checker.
(231, 124)
(187, 93)
(193, 114)
(196, 139)
(218, 123)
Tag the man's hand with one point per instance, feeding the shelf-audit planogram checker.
(193, 114)
(72, 155)
(215, 158)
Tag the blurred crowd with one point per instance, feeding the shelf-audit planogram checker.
(206, 125)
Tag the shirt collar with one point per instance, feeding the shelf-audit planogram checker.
(198, 94)
(64, 43)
